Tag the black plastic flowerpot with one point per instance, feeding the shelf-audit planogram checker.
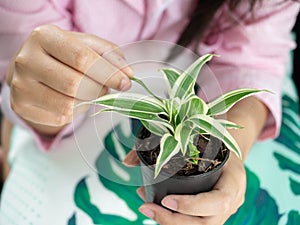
(165, 184)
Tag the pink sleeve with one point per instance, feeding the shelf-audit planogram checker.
(255, 54)
(17, 19)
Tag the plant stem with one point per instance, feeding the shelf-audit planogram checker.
(205, 160)
(145, 87)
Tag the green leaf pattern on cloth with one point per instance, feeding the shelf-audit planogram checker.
(290, 137)
(293, 218)
(82, 197)
(259, 208)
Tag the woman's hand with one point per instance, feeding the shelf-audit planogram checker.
(216, 206)
(55, 69)
(213, 207)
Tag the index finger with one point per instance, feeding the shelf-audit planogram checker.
(108, 50)
(67, 48)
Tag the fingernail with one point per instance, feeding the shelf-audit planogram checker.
(125, 84)
(170, 203)
(126, 162)
(147, 212)
(131, 159)
(141, 194)
(128, 71)
(129, 162)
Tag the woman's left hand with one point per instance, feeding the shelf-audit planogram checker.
(216, 206)
(213, 207)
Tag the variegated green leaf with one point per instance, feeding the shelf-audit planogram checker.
(155, 128)
(168, 148)
(193, 153)
(191, 106)
(228, 124)
(170, 75)
(132, 102)
(140, 82)
(198, 106)
(222, 104)
(185, 83)
(134, 114)
(214, 128)
(183, 135)
(183, 112)
(138, 115)
(172, 106)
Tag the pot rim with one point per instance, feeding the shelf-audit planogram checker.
(164, 174)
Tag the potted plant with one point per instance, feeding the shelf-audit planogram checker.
(182, 145)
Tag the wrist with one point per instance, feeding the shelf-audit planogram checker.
(251, 114)
(44, 130)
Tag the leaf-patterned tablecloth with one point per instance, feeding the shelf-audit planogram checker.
(273, 177)
(61, 187)
(273, 180)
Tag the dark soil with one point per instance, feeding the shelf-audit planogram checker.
(212, 153)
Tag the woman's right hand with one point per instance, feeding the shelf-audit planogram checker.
(55, 69)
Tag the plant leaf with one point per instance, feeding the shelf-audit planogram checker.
(223, 103)
(133, 114)
(172, 106)
(185, 83)
(193, 153)
(130, 102)
(170, 75)
(191, 106)
(140, 82)
(214, 128)
(169, 147)
(184, 109)
(155, 128)
(143, 117)
(198, 106)
(182, 135)
(229, 125)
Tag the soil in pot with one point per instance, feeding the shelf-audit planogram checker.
(179, 175)
(212, 153)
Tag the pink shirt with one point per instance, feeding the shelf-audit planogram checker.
(254, 52)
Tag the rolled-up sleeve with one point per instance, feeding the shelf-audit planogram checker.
(254, 54)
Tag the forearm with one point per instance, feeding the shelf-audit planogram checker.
(251, 114)
(49, 131)
(6, 130)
